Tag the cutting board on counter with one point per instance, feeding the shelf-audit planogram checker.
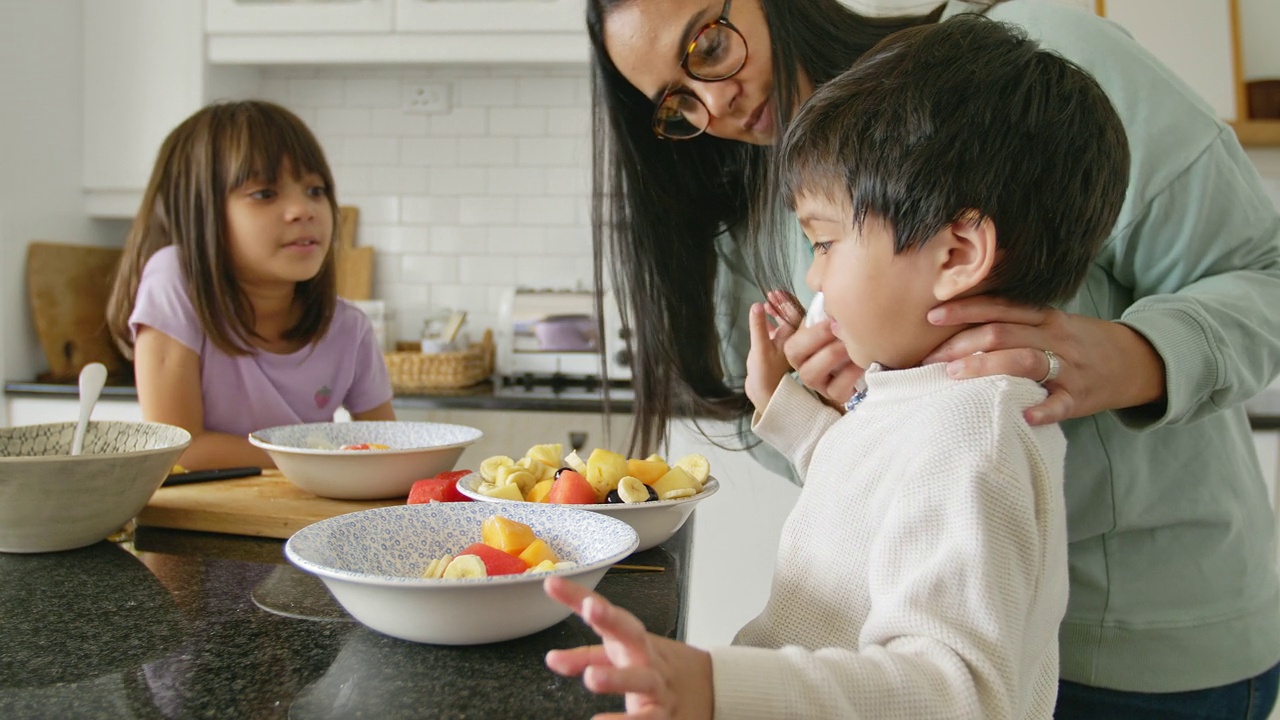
(68, 286)
(264, 506)
(354, 264)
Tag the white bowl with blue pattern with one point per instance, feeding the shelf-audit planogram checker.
(310, 455)
(372, 562)
(655, 521)
(51, 500)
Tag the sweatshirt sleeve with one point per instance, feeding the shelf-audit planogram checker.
(966, 596)
(793, 422)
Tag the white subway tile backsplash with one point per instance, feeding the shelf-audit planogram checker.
(486, 210)
(342, 122)
(463, 205)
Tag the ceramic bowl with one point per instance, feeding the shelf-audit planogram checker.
(654, 522)
(372, 561)
(51, 501)
(310, 456)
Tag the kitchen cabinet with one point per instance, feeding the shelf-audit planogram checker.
(299, 16)
(264, 32)
(144, 73)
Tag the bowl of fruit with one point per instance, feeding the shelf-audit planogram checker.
(648, 494)
(458, 573)
(364, 460)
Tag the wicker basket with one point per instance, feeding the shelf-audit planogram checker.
(419, 372)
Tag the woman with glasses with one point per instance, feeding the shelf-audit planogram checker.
(1174, 603)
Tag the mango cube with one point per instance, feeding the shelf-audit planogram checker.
(507, 535)
(537, 553)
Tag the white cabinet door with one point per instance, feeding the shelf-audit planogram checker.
(735, 534)
(144, 73)
(491, 16)
(299, 16)
(1193, 37)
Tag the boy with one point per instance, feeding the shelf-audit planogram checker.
(923, 571)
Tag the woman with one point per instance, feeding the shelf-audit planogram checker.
(1175, 605)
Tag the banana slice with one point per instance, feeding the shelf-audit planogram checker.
(697, 466)
(679, 493)
(518, 476)
(489, 466)
(632, 490)
(575, 461)
(435, 569)
(539, 469)
(465, 566)
(544, 566)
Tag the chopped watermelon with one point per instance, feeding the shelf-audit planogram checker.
(571, 488)
(496, 562)
(441, 488)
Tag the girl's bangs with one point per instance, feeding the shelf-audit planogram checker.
(256, 148)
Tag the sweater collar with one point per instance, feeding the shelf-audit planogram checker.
(884, 385)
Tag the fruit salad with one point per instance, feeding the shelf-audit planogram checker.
(506, 547)
(365, 446)
(545, 475)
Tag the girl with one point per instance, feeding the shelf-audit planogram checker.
(226, 297)
(1148, 365)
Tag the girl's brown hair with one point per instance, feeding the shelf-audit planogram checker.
(211, 153)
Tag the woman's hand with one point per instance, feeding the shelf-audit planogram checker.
(1102, 365)
(660, 678)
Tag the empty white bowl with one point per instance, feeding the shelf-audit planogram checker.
(654, 522)
(50, 500)
(309, 455)
(372, 562)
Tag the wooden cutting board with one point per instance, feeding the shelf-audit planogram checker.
(264, 506)
(354, 265)
(68, 286)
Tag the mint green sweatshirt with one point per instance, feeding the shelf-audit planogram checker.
(1173, 579)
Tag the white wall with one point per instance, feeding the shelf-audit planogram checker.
(464, 204)
(40, 148)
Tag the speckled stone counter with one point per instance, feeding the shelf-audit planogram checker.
(176, 624)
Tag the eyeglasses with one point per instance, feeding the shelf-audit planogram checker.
(716, 53)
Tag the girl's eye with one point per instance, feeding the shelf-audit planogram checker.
(316, 191)
(263, 194)
(820, 248)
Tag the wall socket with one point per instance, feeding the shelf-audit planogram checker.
(425, 98)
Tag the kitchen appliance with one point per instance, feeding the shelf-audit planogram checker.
(551, 338)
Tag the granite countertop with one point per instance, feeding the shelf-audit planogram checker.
(174, 623)
(485, 396)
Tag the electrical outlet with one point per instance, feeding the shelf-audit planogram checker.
(426, 98)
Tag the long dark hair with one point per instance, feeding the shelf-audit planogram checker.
(658, 207)
(211, 153)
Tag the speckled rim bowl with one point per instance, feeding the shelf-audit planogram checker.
(308, 454)
(655, 522)
(51, 501)
(372, 562)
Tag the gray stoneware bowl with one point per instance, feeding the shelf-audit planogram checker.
(311, 456)
(51, 501)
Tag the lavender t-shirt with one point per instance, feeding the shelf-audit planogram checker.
(243, 393)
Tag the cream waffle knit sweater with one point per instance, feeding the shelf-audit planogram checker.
(923, 570)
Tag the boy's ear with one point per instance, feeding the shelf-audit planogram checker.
(967, 253)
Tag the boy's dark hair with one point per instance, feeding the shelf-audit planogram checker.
(216, 150)
(939, 122)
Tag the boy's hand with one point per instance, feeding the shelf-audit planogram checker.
(660, 678)
(767, 361)
(821, 361)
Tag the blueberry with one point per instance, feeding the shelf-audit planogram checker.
(560, 471)
(613, 497)
(653, 494)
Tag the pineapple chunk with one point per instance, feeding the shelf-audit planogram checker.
(537, 468)
(547, 454)
(604, 470)
(677, 478)
(697, 466)
(647, 471)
